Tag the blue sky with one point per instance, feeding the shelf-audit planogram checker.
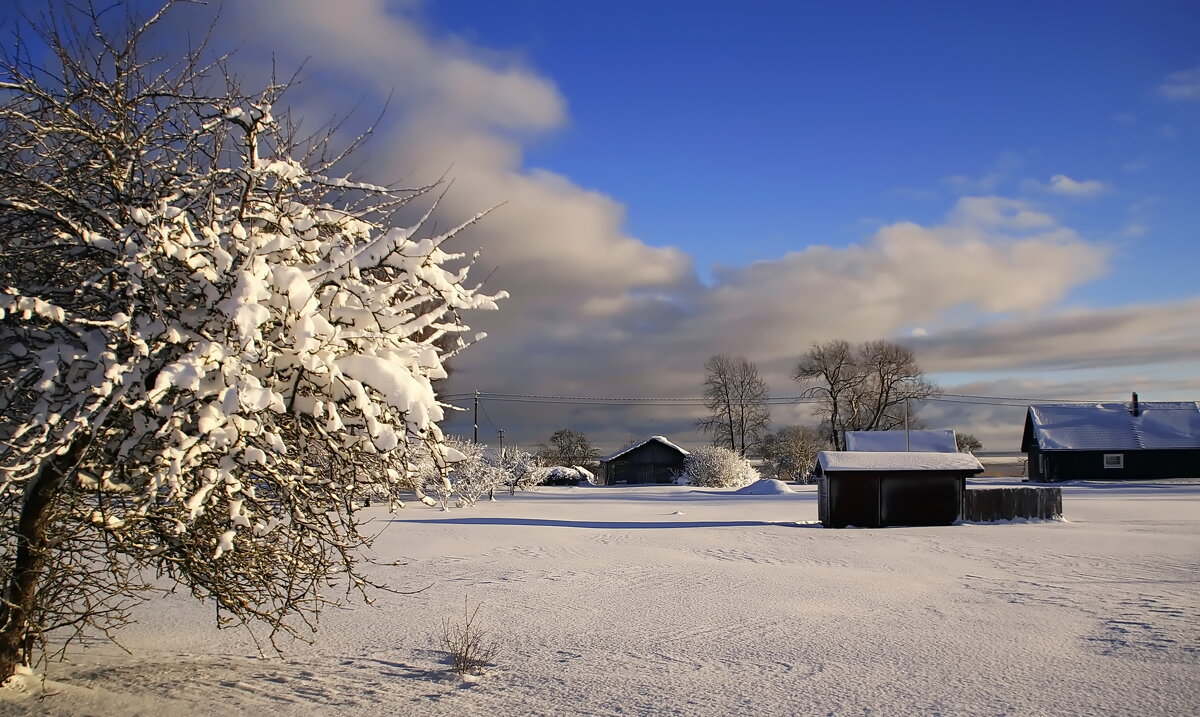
(794, 123)
(1011, 189)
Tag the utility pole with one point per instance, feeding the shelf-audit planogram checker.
(475, 436)
(501, 443)
(907, 446)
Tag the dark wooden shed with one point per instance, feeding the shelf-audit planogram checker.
(1139, 439)
(654, 460)
(883, 488)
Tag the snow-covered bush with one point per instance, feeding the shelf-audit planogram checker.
(716, 467)
(564, 475)
(586, 477)
(521, 469)
(211, 343)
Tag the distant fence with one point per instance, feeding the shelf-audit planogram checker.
(987, 504)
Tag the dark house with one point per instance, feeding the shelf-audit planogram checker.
(654, 460)
(874, 489)
(1146, 439)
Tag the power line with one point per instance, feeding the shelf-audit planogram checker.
(772, 400)
(611, 400)
(489, 418)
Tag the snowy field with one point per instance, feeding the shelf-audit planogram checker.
(665, 600)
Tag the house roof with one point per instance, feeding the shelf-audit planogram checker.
(635, 446)
(896, 461)
(1112, 426)
(938, 441)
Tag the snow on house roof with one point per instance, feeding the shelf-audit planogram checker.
(937, 441)
(627, 449)
(896, 461)
(1113, 427)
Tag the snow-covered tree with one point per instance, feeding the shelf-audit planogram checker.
(211, 344)
(476, 473)
(716, 467)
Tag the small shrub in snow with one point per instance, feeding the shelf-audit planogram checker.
(716, 467)
(467, 644)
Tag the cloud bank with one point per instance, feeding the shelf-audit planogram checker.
(595, 311)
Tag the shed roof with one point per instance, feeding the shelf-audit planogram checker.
(635, 446)
(896, 461)
(1112, 426)
(936, 441)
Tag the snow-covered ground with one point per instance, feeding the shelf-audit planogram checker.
(672, 600)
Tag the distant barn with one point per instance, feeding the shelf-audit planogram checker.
(936, 441)
(654, 460)
(1147, 439)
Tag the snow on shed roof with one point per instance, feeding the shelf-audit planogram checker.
(896, 461)
(627, 449)
(1112, 426)
(938, 441)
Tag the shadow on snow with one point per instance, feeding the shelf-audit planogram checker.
(603, 524)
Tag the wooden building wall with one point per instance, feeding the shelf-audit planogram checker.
(1089, 465)
(876, 499)
(652, 462)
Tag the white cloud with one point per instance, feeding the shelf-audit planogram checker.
(1182, 85)
(997, 174)
(1062, 184)
(1065, 186)
(999, 212)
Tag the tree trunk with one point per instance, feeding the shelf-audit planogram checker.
(32, 551)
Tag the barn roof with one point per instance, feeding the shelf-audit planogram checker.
(896, 461)
(938, 441)
(635, 446)
(1112, 426)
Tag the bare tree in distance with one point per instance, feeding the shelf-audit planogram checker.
(832, 369)
(211, 346)
(568, 448)
(868, 387)
(736, 398)
(967, 442)
(792, 450)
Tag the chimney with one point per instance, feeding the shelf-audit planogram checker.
(1136, 411)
